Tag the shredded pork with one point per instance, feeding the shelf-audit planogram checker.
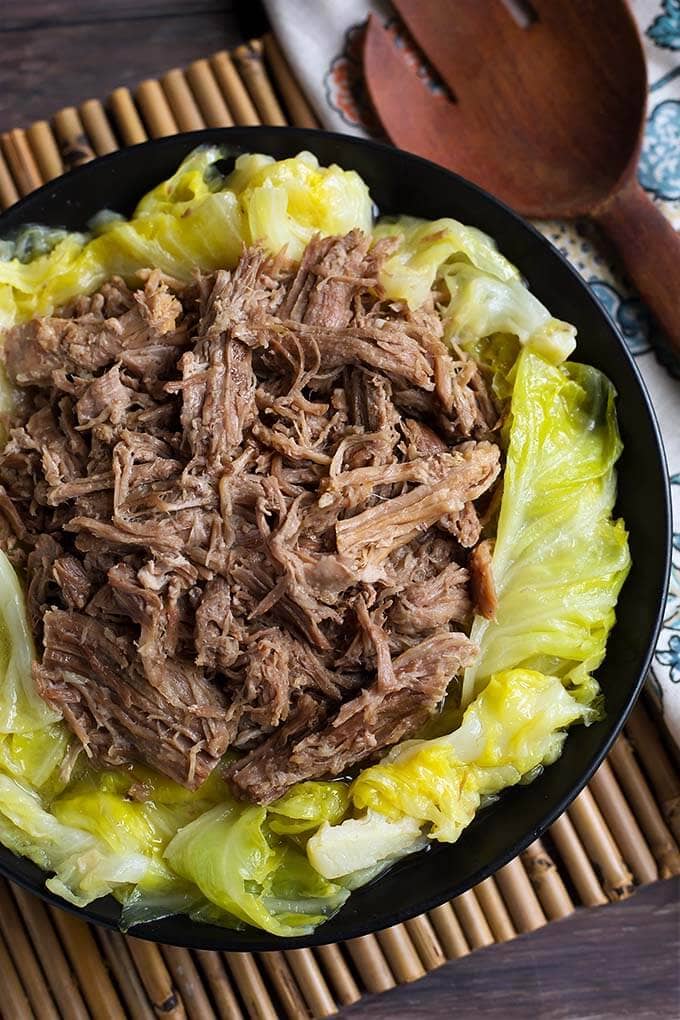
(248, 514)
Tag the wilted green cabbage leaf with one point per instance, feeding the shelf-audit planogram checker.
(242, 869)
(516, 725)
(481, 292)
(427, 246)
(559, 560)
(21, 707)
(197, 219)
(480, 305)
(85, 866)
(306, 805)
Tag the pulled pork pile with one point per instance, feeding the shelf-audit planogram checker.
(246, 514)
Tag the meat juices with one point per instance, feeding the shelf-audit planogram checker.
(244, 508)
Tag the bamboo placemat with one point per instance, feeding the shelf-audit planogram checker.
(621, 832)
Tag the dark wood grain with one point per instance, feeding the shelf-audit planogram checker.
(549, 118)
(59, 52)
(604, 964)
(607, 963)
(40, 14)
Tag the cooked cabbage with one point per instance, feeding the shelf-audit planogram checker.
(21, 708)
(559, 562)
(480, 305)
(228, 854)
(515, 726)
(359, 844)
(35, 756)
(306, 806)
(427, 246)
(85, 867)
(198, 218)
(482, 293)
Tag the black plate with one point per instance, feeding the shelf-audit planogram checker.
(401, 183)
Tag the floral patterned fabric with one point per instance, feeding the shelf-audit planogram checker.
(322, 40)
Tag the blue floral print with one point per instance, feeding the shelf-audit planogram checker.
(659, 170)
(668, 650)
(670, 657)
(629, 314)
(665, 30)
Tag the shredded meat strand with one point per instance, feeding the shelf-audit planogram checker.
(247, 510)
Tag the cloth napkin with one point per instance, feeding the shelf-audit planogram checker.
(322, 40)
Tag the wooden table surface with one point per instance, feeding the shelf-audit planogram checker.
(607, 963)
(614, 962)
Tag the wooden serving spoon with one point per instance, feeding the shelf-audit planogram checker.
(548, 116)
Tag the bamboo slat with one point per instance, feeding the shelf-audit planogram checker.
(126, 117)
(222, 992)
(400, 953)
(20, 160)
(472, 920)
(117, 955)
(208, 95)
(285, 986)
(335, 966)
(14, 1004)
(24, 957)
(495, 911)
(371, 963)
(255, 996)
(622, 824)
(311, 981)
(251, 67)
(181, 102)
(600, 845)
(233, 89)
(44, 147)
(93, 978)
(299, 111)
(74, 145)
(547, 882)
(187, 980)
(155, 110)
(664, 777)
(661, 842)
(521, 900)
(57, 971)
(576, 860)
(156, 980)
(425, 941)
(450, 933)
(9, 193)
(97, 127)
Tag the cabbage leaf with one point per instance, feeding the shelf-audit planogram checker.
(559, 559)
(426, 246)
(85, 868)
(480, 305)
(512, 729)
(308, 805)
(21, 707)
(482, 292)
(240, 868)
(197, 219)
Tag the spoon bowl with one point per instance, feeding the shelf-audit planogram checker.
(547, 114)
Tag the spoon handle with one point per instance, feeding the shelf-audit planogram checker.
(650, 250)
